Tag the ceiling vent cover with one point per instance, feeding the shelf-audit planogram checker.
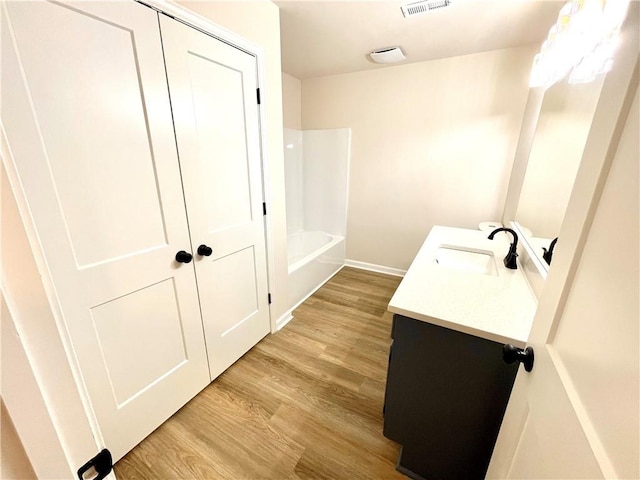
(416, 8)
(387, 55)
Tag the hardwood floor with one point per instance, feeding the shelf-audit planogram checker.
(305, 403)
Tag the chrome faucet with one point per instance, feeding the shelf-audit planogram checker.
(510, 259)
(549, 253)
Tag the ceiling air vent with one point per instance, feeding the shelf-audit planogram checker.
(388, 55)
(416, 8)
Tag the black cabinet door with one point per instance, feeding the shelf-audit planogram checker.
(445, 398)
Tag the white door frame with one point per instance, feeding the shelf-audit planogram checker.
(67, 429)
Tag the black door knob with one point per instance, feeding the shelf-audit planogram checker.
(511, 354)
(204, 251)
(183, 257)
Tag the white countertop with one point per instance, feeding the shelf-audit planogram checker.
(499, 308)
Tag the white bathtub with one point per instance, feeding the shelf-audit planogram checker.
(314, 257)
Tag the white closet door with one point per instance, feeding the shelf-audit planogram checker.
(213, 96)
(86, 111)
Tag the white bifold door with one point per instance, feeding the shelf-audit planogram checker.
(87, 112)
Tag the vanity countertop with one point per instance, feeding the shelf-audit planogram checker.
(496, 307)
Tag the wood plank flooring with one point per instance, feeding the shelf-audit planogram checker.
(305, 403)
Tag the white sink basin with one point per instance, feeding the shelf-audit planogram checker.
(459, 258)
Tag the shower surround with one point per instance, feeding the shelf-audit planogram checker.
(316, 184)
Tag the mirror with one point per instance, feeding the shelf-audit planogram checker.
(556, 151)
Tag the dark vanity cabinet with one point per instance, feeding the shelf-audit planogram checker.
(445, 398)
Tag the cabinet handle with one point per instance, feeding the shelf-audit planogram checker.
(183, 257)
(204, 250)
(511, 354)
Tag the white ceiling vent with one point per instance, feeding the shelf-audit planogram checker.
(387, 55)
(416, 8)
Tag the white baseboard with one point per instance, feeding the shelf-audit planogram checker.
(375, 268)
(283, 320)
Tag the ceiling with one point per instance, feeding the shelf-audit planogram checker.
(321, 37)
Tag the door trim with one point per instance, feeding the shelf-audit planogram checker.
(85, 429)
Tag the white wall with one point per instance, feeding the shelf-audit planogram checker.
(259, 22)
(14, 463)
(291, 102)
(432, 143)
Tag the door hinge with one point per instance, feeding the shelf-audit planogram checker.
(264, 208)
(258, 95)
(102, 463)
(269, 298)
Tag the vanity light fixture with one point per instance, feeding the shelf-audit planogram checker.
(582, 42)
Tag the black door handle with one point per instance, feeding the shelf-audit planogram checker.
(183, 257)
(511, 354)
(204, 250)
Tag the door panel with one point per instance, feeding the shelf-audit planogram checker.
(87, 115)
(105, 66)
(213, 97)
(141, 338)
(544, 449)
(217, 91)
(234, 289)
